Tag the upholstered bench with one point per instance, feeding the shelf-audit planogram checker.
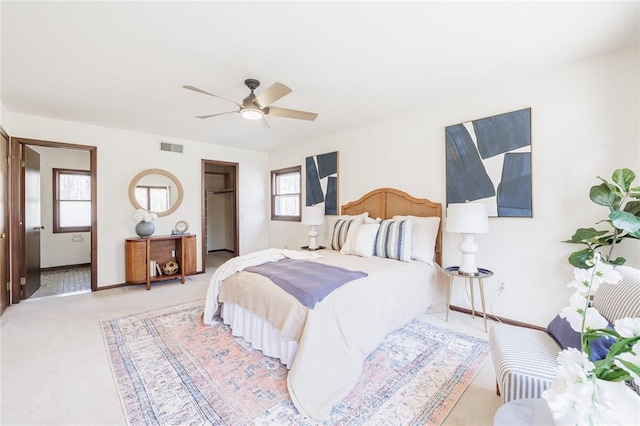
(524, 359)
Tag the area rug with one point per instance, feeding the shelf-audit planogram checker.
(171, 369)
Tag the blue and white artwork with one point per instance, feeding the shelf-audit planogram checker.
(489, 161)
(322, 181)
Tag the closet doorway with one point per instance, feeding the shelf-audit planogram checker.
(219, 212)
(53, 243)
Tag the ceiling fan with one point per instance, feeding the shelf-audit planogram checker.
(257, 107)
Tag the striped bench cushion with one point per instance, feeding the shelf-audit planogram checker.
(524, 360)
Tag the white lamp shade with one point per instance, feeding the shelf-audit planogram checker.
(313, 215)
(467, 218)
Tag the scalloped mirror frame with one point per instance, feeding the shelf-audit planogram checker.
(139, 176)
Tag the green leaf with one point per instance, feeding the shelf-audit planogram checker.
(633, 207)
(625, 220)
(617, 261)
(585, 234)
(624, 177)
(579, 258)
(603, 195)
(614, 374)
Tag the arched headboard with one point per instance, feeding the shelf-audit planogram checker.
(388, 202)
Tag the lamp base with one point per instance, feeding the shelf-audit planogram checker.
(468, 248)
(313, 238)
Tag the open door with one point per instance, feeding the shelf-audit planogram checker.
(32, 221)
(4, 223)
(219, 208)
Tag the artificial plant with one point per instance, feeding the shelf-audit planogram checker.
(623, 221)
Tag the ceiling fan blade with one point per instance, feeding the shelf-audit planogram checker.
(263, 124)
(272, 94)
(214, 115)
(291, 113)
(195, 89)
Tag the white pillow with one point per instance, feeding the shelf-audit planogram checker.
(368, 219)
(360, 240)
(330, 224)
(423, 237)
(394, 240)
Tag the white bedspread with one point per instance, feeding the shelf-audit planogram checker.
(238, 264)
(350, 323)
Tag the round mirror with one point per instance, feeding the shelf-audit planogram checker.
(157, 191)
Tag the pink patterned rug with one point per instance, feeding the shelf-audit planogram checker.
(172, 369)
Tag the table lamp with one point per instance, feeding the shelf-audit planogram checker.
(468, 219)
(313, 216)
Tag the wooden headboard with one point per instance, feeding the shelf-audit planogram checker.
(388, 202)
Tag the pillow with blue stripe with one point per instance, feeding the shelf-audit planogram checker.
(394, 240)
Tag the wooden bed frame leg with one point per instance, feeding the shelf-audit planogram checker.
(497, 389)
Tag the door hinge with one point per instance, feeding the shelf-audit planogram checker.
(23, 281)
(8, 285)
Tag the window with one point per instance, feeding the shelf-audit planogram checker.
(285, 194)
(153, 198)
(72, 200)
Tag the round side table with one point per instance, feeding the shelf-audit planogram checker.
(525, 412)
(482, 273)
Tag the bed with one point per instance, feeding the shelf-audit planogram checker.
(325, 347)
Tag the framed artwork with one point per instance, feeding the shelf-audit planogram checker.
(489, 161)
(321, 177)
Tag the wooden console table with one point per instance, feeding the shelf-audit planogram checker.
(139, 252)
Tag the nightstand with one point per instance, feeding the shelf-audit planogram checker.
(482, 273)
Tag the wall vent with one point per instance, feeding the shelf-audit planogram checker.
(171, 147)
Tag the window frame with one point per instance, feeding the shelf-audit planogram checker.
(274, 175)
(57, 229)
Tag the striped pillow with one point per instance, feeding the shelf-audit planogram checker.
(340, 231)
(394, 240)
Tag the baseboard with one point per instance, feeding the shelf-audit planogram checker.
(498, 319)
(58, 268)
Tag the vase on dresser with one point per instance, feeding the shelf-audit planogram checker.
(145, 229)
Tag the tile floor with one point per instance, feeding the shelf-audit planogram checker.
(64, 282)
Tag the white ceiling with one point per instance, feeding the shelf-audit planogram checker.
(123, 64)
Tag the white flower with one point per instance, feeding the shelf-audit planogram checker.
(570, 397)
(141, 215)
(582, 280)
(628, 327)
(573, 313)
(606, 274)
(594, 320)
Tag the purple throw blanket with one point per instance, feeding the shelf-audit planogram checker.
(309, 282)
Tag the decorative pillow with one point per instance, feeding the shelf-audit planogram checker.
(341, 230)
(368, 219)
(330, 224)
(423, 237)
(360, 239)
(560, 329)
(394, 240)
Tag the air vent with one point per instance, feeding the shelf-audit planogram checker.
(170, 147)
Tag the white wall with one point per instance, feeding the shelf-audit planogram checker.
(585, 123)
(60, 249)
(123, 154)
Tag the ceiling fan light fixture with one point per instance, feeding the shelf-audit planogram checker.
(252, 114)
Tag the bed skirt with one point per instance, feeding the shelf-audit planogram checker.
(260, 333)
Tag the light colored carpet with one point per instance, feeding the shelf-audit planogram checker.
(171, 368)
(55, 368)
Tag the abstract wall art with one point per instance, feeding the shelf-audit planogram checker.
(489, 161)
(321, 173)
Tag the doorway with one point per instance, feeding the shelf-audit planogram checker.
(68, 254)
(219, 212)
